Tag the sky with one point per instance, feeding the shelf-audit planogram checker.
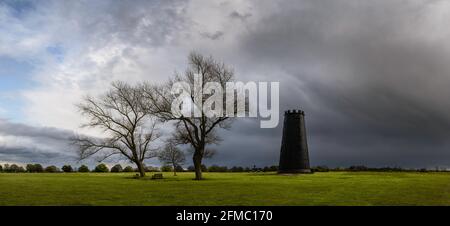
(372, 76)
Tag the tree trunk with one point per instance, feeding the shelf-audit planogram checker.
(141, 169)
(198, 165)
(174, 169)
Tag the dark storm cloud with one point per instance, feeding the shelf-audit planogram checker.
(372, 76)
(23, 144)
(22, 153)
(22, 130)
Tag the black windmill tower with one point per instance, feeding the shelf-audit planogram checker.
(294, 157)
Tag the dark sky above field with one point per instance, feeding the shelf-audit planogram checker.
(372, 76)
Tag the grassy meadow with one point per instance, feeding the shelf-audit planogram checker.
(331, 188)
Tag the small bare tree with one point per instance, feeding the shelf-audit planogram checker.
(198, 131)
(130, 131)
(172, 155)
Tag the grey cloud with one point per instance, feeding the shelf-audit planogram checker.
(139, 22)
(25, 153)
(18, 129)
(237, 15)
(26, 144)
(247, 145)
(213, 36)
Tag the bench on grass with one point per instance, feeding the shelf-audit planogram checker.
(157, 176)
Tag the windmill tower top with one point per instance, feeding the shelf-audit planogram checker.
(294, 112)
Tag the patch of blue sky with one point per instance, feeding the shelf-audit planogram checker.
(15, 76)
(18, 8)
(56, 51)
(11, 108)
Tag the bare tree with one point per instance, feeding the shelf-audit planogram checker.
(198, 131)
(130, 131)
(172, 155)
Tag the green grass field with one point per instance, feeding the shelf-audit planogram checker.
(333, 188)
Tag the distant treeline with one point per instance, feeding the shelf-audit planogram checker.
(362, 168)
(102, 168)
